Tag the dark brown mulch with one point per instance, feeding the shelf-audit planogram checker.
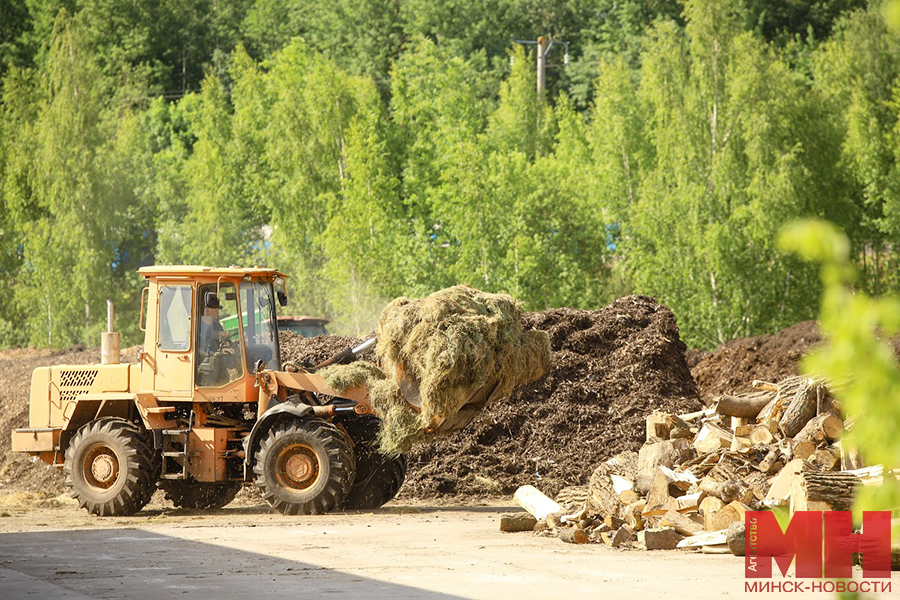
(611, 367)
(773, 357)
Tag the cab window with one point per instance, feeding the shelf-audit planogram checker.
(219, 360)
(174, 333)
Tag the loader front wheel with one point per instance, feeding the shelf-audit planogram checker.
(109, 468)
(190, 493)
(304, 467)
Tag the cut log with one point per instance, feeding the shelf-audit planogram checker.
(711, 437)
(761, 436)
(681, 480)
(764, 385)
(573, 535)
(800, 410)
(727, 491)
(741, 430)
(707, 538)
(660, 538)
(690, 502)
(780, 490)
(804, 450)
(746, 407)
(706, 412)
(628, 496)
(535, 502)
(667, 453)
(680, 523)
(652, 515)
(515, 522)
(709, 506)
(633, 515)
(734, 536)
(573, 495)
(659, 424)
(741, 444)
(623, 535)
(823, 428)
(817, 491)
(769, 463)
(659, 492)
(825, 459)
(729, 514)
(726, 480)
(770, 415)
(612, 522)
(614, 473)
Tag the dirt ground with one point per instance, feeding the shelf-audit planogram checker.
(406, 550)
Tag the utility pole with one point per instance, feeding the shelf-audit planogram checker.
(544, 45)
(541, 67)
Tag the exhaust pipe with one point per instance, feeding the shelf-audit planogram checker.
(109, 341)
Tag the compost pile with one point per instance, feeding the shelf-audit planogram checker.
(773, 357)
(611, 367)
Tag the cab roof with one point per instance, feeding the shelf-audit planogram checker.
(194, 270)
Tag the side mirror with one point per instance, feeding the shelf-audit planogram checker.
(211, 300)
(282, 298)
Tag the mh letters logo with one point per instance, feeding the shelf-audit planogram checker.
(820, 553)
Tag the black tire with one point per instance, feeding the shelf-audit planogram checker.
(304, 467)
(110, 467)
(378, 476)
(380, 488)
(190, 493)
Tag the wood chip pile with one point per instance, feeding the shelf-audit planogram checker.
(698, 473)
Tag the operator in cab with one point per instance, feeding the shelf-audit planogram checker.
(211, 332)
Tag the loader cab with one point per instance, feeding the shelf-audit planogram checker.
(206, 329)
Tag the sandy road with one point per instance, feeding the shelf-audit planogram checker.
(403, 551)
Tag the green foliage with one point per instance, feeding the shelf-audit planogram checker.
(375, 149)
(857, 357)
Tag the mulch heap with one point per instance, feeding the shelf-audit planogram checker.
(611, 367)
(731, 368)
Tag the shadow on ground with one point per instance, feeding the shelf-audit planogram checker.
(136, 564)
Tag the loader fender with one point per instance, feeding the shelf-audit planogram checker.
(265, 422)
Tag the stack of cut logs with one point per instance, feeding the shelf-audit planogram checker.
(697, 474)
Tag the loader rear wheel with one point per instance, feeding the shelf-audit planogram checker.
(380, 487)
(109, 467)
(378, 476)
(190, 493)
(304, 467)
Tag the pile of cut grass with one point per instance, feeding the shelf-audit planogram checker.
(441, 349)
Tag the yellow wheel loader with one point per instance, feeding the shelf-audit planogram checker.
(206, 410)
